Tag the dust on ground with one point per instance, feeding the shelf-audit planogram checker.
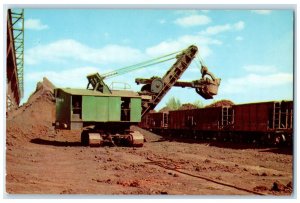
(40, 160)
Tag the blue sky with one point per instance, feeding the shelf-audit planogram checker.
(250, 50)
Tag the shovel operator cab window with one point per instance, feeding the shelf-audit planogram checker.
(76, 105)
(125, 109)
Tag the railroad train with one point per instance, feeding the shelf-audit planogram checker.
(269, 123)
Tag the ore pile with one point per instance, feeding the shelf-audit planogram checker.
(220, 103)
(34, 118)
(188, 106)
(165, 109)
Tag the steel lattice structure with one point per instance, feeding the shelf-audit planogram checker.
(17, 18)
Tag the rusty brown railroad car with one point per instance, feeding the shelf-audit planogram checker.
(157, 120)
(264, 122)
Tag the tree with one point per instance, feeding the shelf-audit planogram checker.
(199, 104)
(173, 103)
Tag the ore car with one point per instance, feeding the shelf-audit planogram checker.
(263, 123)
(204, 123)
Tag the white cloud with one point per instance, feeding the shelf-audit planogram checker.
(162, 21)
(260, 68)
(239, 25)
(182, 43)
(239, 38)
(255, 82)
(192, 20)
(258, 78)
(213, 30)
(64, 78)
(68, 49)
(262, 12)
(69, 52)
(35, 24)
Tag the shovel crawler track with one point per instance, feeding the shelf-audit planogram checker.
(97, 139)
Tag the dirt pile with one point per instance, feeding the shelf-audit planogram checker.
(188, 106)
(34, 118)
(223, 102)
(43, 89)
(165, 109)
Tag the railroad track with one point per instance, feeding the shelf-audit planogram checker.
(174, 167)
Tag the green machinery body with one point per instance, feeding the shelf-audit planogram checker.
(77, 108)
(106, 115)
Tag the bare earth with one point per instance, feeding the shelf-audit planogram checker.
(40, 160)
(57, 164)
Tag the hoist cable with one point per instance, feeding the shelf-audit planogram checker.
(139, 65)
(120, 72)
(200, 60)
